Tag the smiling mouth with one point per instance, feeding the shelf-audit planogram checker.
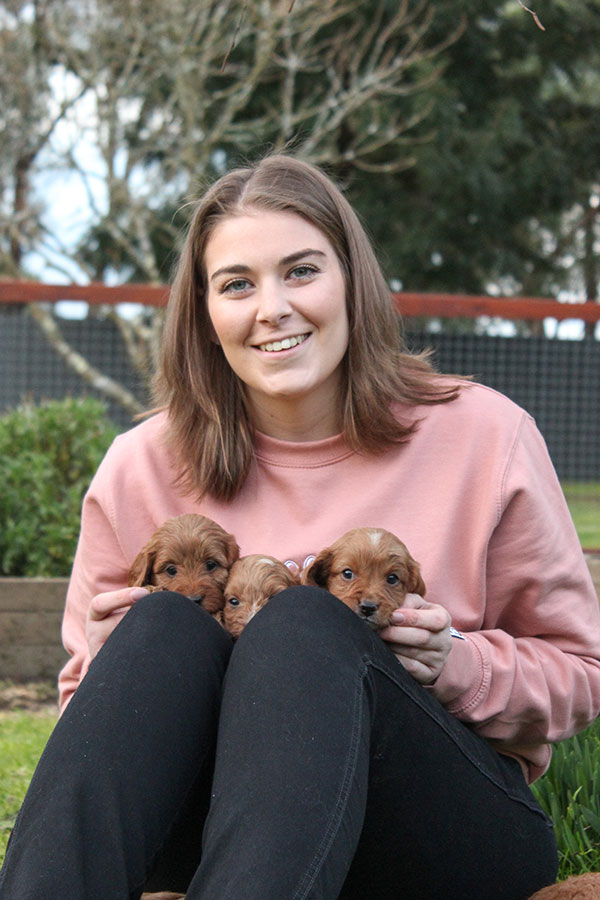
(285, 344)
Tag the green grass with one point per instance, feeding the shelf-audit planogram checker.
(569, 791)
(583, 499)
(23, 736)
(570, 794)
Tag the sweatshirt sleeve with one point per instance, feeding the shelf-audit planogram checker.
(531, 675)
(100, 565)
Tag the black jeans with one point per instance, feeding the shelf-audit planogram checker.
(333, 774)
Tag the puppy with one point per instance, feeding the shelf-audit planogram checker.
(370, 570)
(578, 887)
(252, 581)
(189, 554)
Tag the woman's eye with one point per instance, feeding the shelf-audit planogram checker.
(347, 574)
(211, 565)
(235, 286)
(392, 579)
(303, 272)
(233, 601)
(171, 570)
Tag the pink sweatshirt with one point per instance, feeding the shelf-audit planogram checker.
(474, 496)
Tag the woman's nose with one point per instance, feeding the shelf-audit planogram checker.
(273, 304)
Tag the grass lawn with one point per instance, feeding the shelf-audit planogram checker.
(584, 503)
(23, 736)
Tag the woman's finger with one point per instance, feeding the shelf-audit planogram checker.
(103, 605)
(428, 616)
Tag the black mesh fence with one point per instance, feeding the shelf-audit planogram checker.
(557, 381)
(31, 369)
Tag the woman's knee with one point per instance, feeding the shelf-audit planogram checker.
(309, 616)
(301, 605)
(174, 624)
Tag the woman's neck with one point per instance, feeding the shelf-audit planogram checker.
(297, 422)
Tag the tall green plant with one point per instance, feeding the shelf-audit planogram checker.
(570, 793)
(48, 455)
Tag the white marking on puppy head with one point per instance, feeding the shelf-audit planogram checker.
(256, 607)
(375, 536)
(268, 562)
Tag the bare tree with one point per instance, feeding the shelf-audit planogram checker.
(174, 92)
(28, 119)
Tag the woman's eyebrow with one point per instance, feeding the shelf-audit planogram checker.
(300, 254)
(233, 269)
(242, 269)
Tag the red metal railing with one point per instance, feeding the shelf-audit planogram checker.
(408, 303)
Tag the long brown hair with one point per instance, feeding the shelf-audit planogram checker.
(209, 428)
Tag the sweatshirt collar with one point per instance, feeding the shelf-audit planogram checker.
(305, 454)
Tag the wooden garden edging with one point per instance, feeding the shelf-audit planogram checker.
(31, 612)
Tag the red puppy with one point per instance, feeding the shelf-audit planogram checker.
(370, 570)
(252, 582)
(189, 554)
(579, 887)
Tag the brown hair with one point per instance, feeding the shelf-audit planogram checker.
(209, 428)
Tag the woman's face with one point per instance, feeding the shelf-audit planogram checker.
(277, 303)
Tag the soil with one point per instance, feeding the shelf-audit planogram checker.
(33, 696)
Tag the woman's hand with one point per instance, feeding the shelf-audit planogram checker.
(106, 611)
(420, 637)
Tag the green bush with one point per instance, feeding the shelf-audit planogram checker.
(569, 793)
(48, 455)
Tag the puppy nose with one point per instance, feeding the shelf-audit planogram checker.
(367, 607)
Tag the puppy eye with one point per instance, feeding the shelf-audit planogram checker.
(211, 565)
(171, 570)
(233, 601)
(392, 579)
(347, 574)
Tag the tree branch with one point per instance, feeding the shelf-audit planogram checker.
(92, 376)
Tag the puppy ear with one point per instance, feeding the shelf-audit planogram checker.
(232, 551)
(319, 571)
(416, 585)
(141, 570)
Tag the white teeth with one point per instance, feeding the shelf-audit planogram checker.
(285, 344)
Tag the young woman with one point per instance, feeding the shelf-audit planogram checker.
(347, 763)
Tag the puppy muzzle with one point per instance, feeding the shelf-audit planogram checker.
(367, 610)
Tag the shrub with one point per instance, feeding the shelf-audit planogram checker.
(48, 455)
